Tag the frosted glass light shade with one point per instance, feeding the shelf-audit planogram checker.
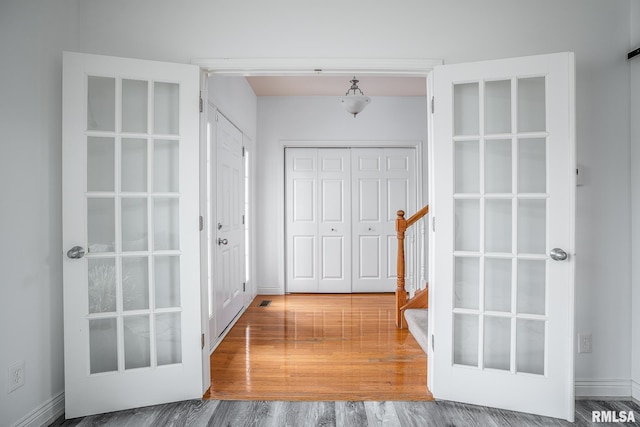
(354, 104)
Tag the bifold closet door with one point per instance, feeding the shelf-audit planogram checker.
(383, 182)
(318, 220)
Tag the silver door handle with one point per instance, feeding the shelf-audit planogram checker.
(75, 252)
(222, 241)
(558, 254)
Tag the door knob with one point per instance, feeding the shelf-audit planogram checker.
(75, 252)
(222, 241)
(558, 254)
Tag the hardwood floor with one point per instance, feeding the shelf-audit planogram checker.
(319, 347)
(214, 413)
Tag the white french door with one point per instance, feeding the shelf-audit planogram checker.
(229, 229)
(383, 182)
(503, 194)
(132, 314)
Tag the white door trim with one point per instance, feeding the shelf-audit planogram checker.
(315, 66)
(243, 67)
(281, 200)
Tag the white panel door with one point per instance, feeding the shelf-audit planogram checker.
(318, 220)
(383, 182)
(229, 240)
(132, 313)
(334, 220)
(504, 197)
(301, 169)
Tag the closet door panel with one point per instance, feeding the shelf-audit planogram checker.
(383, 182)
(302, 219)
(334, 225)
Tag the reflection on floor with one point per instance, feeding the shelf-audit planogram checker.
(319, 347)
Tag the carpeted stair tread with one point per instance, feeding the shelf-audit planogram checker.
(417, 319)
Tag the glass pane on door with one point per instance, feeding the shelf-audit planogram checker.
(101, 103)
(102, 285)
(134, 105)
(497, 343)
(466, 109)
(531, 104)
(103, 341)
(497, 101)
(500, 196)
(100, 163)
(137, 344)
(134, 165)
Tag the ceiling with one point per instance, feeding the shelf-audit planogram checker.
(336, 85)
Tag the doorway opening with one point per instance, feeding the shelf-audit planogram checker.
(274, 248)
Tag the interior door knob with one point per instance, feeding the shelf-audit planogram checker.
(558, 254)
(222, 241)
(75, 252)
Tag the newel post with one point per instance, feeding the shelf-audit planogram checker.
(401, 294)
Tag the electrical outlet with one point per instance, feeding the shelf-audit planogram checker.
(584, 343)
(15, 376)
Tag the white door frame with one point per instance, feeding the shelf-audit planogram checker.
(244, 67)
(280, 168)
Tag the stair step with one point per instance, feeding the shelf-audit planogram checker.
(417, 320)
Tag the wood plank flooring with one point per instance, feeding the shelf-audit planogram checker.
(215, 413)
(319, 347)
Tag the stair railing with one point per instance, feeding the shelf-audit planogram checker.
(416, 260)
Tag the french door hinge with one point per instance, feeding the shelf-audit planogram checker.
(201, 223)
(244, 286)
(242, 219)
(202, 341)
(433, 223)
(201, 103)
(433, 344)
(433, 104)
(243, 151)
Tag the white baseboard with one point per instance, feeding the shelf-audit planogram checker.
(215, 343)
(635, 391)
(602, 388)
(269, 291)
(45, 414)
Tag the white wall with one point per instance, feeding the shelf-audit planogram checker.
(34, 32)
(312, 119)
(32, 37)
(634, 65)
(234, 97)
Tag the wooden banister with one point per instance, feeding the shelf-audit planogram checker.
(416, 216)
(401, 227)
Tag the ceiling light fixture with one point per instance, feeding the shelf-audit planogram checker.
(354, 104)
